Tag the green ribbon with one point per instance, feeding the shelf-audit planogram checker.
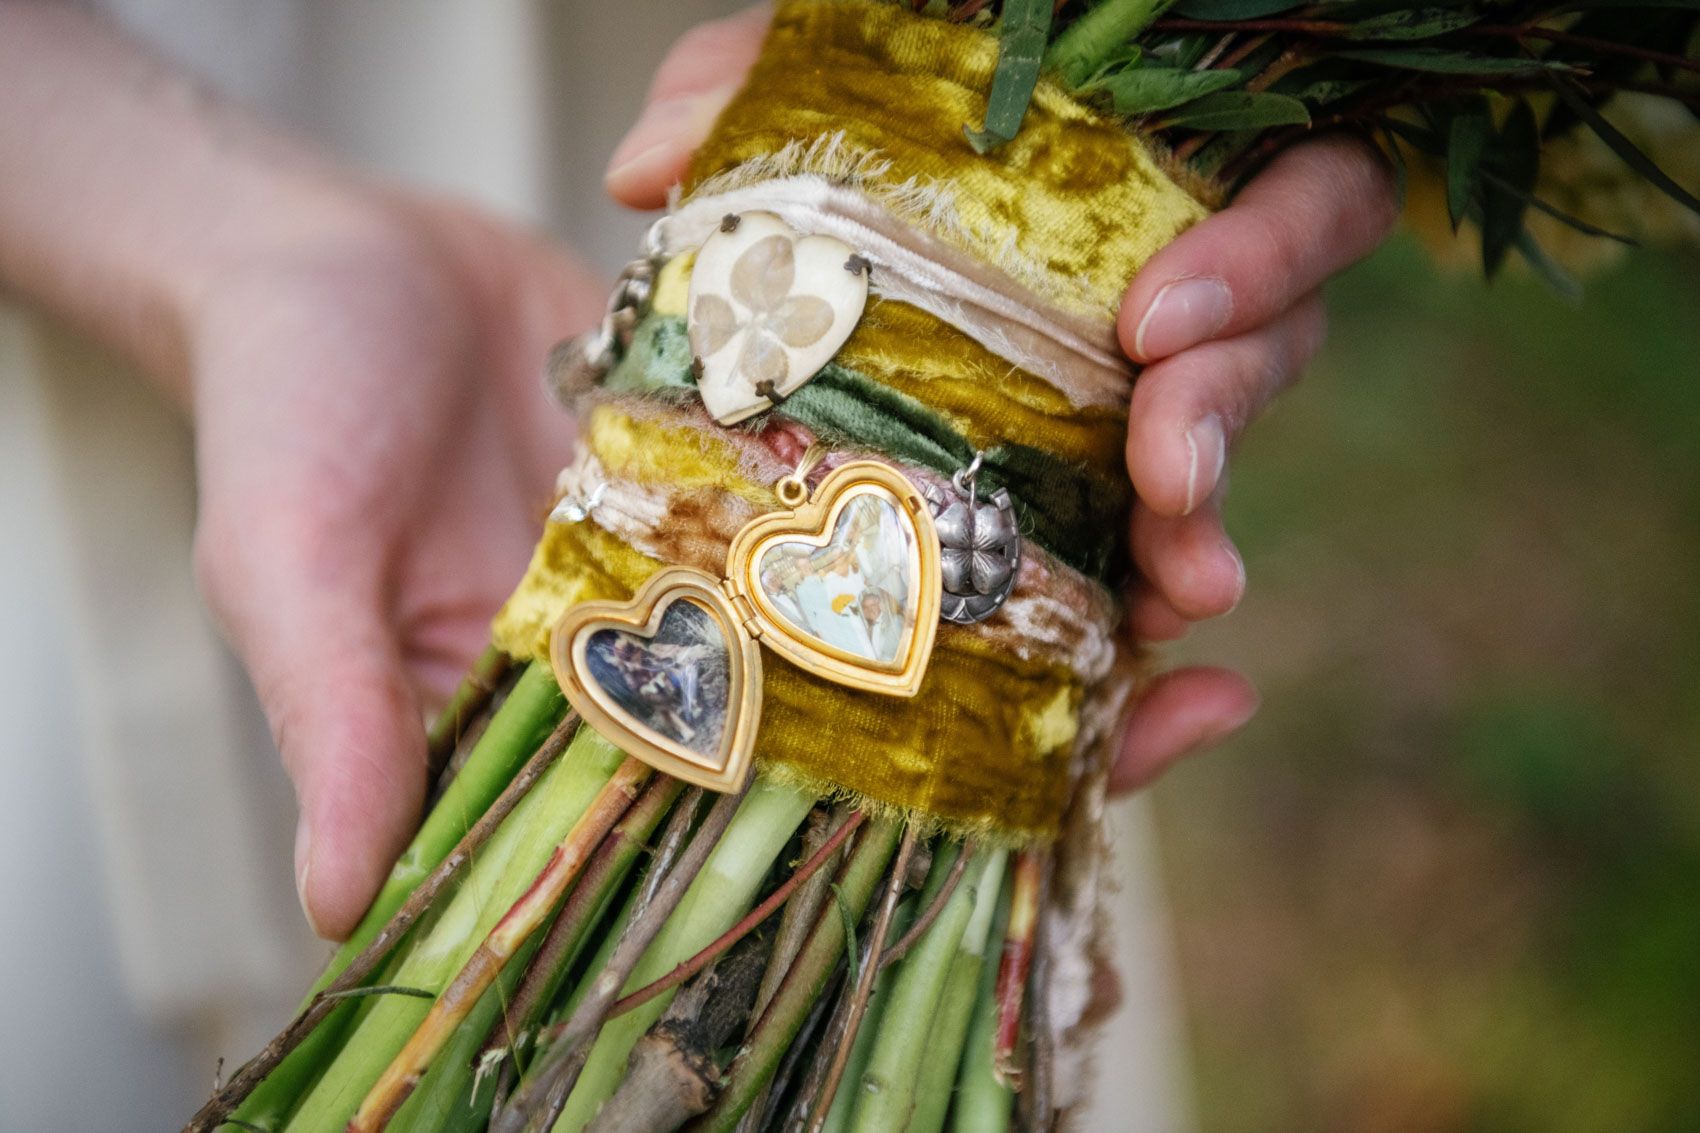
(1061, 506)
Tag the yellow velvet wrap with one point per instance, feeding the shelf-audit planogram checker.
(985, 746)
(988, 401)
(1074, 199)
(868, 94)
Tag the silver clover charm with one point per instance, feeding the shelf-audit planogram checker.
(979, 546)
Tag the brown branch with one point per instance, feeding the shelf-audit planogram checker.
(931, 913)
(743, 928)
(865, 982)
(545, 1094)
(583, 903)
(1025, 884)
(1603, 46)
(1038, 1096)
(498, 947)
(794, 928)
(1335, 29)
(672, 1074)
(254, 1071)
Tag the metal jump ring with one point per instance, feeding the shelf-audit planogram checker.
(964, 478)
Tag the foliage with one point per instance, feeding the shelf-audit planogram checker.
(1481, 87)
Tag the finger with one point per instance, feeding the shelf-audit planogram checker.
(1150, 617)
(698, 78)
(1188, 409)
(1317, 208)
(1190, 561)
(1180, 713)
(311, 633)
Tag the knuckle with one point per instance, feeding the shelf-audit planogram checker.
(701, 57)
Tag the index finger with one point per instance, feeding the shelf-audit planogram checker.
(1318, 208)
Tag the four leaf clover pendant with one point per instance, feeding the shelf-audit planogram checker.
(767, 309)
(845, 585)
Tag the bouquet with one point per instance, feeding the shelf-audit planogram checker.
(775, 803)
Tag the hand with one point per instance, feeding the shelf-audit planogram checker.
(1224, 318)
(374, 445)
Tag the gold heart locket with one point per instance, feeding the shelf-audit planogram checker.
(843, 584)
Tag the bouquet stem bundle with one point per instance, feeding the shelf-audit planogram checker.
(468, 1001)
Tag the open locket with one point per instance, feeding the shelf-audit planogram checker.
(843, 583)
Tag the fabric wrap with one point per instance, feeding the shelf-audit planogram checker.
(1012, 711)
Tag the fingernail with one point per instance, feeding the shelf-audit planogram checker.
(1206, 454)
(1184, 313)
(662, 130)
(1233, 554)
(304, 867)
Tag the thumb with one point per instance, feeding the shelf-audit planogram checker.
(326, 668)
(698, 78)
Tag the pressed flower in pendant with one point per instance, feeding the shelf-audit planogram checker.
(768, 308)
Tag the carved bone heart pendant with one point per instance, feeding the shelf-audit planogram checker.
(767, 309)
(669, 677)
(847, 585)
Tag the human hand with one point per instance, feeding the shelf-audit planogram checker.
(1223, 319)
(374, 444)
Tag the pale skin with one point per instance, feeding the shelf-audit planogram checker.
(375, 450)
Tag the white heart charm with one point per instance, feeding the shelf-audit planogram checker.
(768, 308)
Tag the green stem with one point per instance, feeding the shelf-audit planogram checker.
(448, 1088)
(533, 708)
(778, 1026)
(956, 1008)
(722, 892)
(886, 1090)
(511, 859)
(518, 729)
(984, 1101)
(475, 688)
(584, 909)
(844, 1102)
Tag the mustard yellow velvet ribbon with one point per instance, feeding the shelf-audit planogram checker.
(1070, 209)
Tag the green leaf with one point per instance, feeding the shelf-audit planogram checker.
(1466, 140)
(1587, 5)
(1558, 214)
(1095, 37)
(1514, 158)
(1555, 277)
(1324, 91)
(1441, 62)
(1142, 90)
(1415, 23)
(1631, 154)
(1021, 45)
(1232, 9)
(1240, 110)
(1421, 138)
(1396, 155)
(381, 989)
(852, 954)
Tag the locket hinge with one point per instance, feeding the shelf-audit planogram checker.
(741, 606)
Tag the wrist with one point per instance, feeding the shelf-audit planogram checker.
(129, 190)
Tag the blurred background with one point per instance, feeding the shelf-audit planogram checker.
(1448, 880)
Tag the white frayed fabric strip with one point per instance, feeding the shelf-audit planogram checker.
(1077, 356)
